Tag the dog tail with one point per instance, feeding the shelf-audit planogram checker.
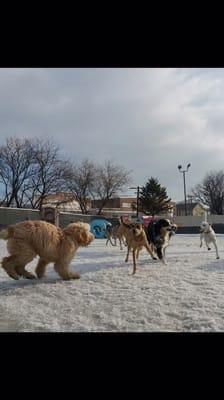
(5, 234)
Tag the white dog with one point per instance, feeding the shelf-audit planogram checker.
(209, 236)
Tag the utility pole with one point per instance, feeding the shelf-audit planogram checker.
(183, 172)
(138, 192)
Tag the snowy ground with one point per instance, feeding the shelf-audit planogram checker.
(186, 295)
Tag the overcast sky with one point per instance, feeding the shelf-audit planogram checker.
(146, 120)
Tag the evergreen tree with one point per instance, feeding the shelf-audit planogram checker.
(153, 198)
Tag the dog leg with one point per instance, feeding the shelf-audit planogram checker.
(137, 252)
(127, 256)
(207, 245)
(41, 267)
(64, 272)
(109, 240)
(8, 264)
(216, 249)
(134, 262)
(161, 255)
(150, 252)
(112, 244)
(201, 236)
(20, 270)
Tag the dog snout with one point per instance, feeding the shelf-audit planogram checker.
(91, 238)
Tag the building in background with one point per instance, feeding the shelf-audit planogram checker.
(64, 202)
(122, 205)
(115, 206)
(193, 208)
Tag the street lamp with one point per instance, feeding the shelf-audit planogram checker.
(138, 191)
(183, 172)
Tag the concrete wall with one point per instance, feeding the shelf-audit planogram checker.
(10, 216)
(186, 224)
(66, 218)
(190, 224)
(196, 221)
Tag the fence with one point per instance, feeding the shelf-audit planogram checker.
(10, 216)
(186, 224)
(190, 224)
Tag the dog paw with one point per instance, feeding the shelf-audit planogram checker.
(217, 258)
(13, 275)
(28, 275)
(74, 275)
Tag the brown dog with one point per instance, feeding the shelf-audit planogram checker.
(26, 240)
(122, 232)
(136, 240)
(116, 232)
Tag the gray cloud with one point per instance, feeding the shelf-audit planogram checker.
(148, 120)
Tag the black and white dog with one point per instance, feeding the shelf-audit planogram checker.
(159, 233)
(208, 235)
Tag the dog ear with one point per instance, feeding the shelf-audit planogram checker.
(81, 236)
(80, 233)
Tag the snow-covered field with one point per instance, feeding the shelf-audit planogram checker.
(186, 295)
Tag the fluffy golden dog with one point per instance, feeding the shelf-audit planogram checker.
(136, 240)
(26, 240)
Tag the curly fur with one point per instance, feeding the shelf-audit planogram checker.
(26, 240)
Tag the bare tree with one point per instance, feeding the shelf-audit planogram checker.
(211, 191)
(16, 168)
(30, 169)
(80, 181)
(48, 172)
(110, 179)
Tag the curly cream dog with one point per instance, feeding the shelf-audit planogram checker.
(26, 240)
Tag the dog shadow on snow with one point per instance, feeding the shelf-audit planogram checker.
(53, 278)
(11, 284)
